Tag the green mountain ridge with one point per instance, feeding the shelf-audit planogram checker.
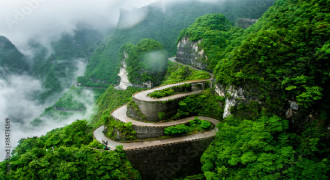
(163, 26)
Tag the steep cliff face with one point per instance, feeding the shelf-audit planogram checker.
(188, 52)
(241, 101)
(124, 80)
(123, 74)
(231, 96)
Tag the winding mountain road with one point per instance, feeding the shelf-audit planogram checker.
(120, 114)
(144, 94)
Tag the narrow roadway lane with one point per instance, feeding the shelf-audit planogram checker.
(99, 135)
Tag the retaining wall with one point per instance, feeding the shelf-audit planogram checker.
(155, 111)
(143, 132)
(169, 161)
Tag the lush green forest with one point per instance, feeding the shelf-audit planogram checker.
(163, 26)
(67, 153)
(217, 34)
(264, 148)
(292, 56)
(283, 57)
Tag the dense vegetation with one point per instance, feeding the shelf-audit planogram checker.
(164, 25)
(67, 153)
(118, 131)
(111, 100)
(290, 45)
(216, 33)
(195, 125)
(264, 149)
(283, 57)
(203, 104)
(186, 87)
(146, 62)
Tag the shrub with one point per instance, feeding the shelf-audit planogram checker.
(176, 130)
(191, 126)
(186, 87)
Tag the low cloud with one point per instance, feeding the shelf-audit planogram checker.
(19, 130)
(18, 103)
(46, 20)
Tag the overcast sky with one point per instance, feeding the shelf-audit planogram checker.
(43, 20)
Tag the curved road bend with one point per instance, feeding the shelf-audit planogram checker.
(120, 114)
(99, 135)
(143, 96)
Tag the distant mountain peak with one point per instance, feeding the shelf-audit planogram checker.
(5, 43)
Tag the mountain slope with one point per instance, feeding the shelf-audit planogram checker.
(12, 61)
(283, 60)
(163, 25)
(70, 54)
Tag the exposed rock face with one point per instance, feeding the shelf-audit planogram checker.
(292, 110)
(237, 96)
(245, 22)
(189, 53)
(124, 82)
(232, 93)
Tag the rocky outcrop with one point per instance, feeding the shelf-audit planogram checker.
(292, 110)
(124, 82)
(245, 22)
(235, 96)
(231, 94)
(189, 52)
